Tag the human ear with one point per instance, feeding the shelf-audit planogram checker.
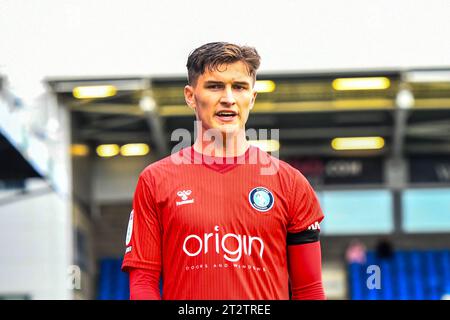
(252, 102)
(189, 96)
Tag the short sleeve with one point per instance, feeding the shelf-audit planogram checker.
(143, 239)
(304, 207)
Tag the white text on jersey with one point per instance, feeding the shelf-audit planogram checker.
(314, 226)
(244, 245)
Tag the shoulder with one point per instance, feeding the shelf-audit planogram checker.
(288, 169)
(289, 175)
(283, 167)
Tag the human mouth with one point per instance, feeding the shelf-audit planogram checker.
(226, 116)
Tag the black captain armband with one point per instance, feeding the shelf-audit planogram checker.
(303, 237)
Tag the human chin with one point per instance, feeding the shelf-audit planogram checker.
(229, 128)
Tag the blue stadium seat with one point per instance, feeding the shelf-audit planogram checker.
(401, 276)
(355, 283)
(386, 290)
(417, 276)
(113, 283)
(121, 280)
(371, 294)
(431, 276)
(105, 283)
(445, 267)
(409, 275)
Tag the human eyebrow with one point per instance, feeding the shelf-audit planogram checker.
(244, 84)
(211, 82)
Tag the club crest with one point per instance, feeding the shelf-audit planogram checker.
(261, 199)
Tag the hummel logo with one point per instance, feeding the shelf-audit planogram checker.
(184, 195)
(314, 226)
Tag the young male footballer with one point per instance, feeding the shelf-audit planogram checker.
(222, 219)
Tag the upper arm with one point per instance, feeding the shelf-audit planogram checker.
(304, 207)
(144, 230)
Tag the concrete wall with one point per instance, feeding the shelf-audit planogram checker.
(36, 252)
(114, 179)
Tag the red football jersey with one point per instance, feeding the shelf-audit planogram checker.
(217, 227)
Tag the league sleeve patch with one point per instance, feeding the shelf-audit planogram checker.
(129, 229)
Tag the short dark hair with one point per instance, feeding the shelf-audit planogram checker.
(211, 55)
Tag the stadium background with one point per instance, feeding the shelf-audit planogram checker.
(64, 208)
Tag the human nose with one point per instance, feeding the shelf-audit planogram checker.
(228, 97)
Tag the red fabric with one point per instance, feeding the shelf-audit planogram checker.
(195, 224)
(144, 284)
(305, 271)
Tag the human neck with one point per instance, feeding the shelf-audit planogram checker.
(231, 146)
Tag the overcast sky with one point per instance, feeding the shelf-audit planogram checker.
(51, 38)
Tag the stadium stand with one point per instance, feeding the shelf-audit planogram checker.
(113, 283)
(408, 275)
